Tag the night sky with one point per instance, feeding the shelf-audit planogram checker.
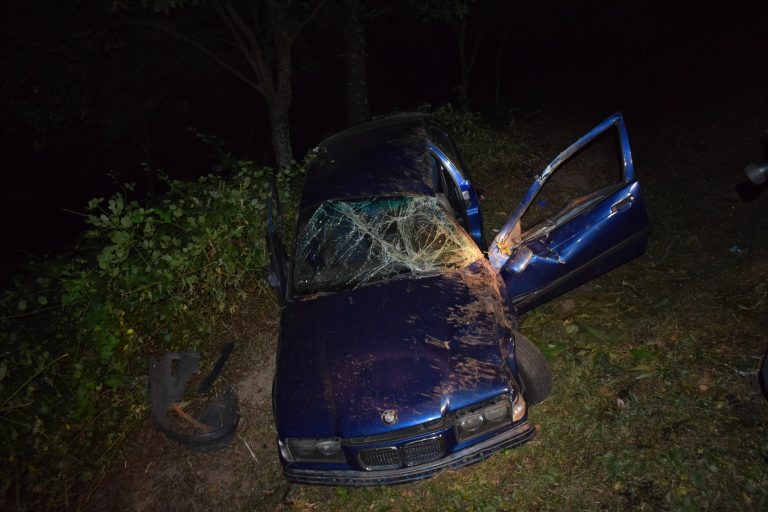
(86, 91)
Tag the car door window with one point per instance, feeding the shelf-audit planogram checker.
(447, 191)
(455, 197)
(455, 189)
(578, 183)
(593, 221)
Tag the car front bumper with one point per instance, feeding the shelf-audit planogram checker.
(470, 455)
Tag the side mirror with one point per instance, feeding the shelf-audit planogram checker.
(520, 260)
(757, 172)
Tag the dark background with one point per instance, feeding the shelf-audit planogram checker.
(85, 95)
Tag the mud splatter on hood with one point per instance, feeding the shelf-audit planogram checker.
(420, 346)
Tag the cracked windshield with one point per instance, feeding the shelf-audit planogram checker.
(343, 245)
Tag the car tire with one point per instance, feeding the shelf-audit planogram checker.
(533, 370)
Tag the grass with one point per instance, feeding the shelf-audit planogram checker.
(655, 405)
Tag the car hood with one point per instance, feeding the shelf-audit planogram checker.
(422, 347)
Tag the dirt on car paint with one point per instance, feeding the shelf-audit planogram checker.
(684, 262)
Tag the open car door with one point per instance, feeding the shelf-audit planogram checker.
(592, 234)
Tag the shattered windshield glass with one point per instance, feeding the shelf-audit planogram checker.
(345, 244)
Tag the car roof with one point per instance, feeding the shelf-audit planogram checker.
(383, 157)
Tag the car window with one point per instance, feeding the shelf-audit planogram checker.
(454, 196)
(441, 140)
(448, 193)
(345, 244)
(579, 183)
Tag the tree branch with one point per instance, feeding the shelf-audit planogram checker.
(373, 12)
(307, 20)
(202, 427)
(474, 50)
(249, 47)
(243, 27)
(201, 48)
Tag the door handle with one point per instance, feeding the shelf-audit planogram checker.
(622, 204)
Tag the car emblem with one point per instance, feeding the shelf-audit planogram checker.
(389, 416)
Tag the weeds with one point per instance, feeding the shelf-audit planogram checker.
(146, 277)
(655, 404)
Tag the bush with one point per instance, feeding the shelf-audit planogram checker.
(76, 330)
(488, 150)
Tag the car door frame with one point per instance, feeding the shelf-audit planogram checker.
(276, 272)
(470, 201)
(614, 228)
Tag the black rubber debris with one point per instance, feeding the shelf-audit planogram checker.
(215, 425)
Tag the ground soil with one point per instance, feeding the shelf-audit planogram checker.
(156, 473)
(691, 163)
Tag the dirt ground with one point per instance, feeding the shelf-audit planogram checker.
(156, 473)
(688, 166)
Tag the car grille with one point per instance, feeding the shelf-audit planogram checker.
(411, 454)
(381, 458)
(420, 452)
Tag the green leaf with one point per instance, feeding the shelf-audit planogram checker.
(44, 282)
(598, 334)
(641, 354)
(120, 237)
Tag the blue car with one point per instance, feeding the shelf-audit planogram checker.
(398, 354)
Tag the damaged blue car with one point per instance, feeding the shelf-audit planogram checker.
(398, 353)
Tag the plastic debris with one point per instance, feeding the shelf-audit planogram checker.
(214, 427)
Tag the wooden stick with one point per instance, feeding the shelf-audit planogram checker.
(189, 419)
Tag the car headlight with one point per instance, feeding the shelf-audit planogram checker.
(491, 417)
(315, 450)
(518, 408)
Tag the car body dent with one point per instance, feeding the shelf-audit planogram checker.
(430, 346)
(590, 236)
(470, 454)
(439, 335)
(385, 158)
(502, 245)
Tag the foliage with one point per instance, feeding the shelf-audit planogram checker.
(491, 154)
(656, 404)
(500, 161)
(145, 278)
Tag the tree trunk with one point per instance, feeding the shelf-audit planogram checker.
(499, 57)
(281, 133)
(461, 40)
(280, 101)
(466, 63)
(356, 64)
(269, 60)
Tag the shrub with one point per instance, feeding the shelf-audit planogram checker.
(488, 150)
(76, 330)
